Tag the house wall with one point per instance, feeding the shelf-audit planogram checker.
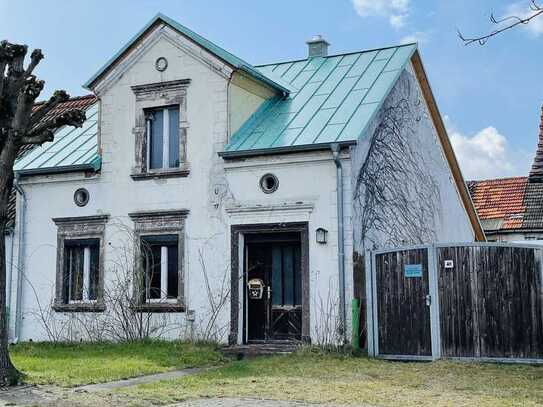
(216, 197)
(403, 189)
(528, 237)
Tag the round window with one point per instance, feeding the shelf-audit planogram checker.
(81, 197)
(269, 183)
(161, 64)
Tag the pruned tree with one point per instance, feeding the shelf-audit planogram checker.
(21, 125)
(533, 11)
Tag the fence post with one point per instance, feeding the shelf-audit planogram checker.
(355, 305)
(434, 304)
(368, 269)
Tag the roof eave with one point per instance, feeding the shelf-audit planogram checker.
(283, 150)
(93, 166)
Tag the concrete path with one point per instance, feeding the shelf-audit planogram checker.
(229, 402)
(137, 380)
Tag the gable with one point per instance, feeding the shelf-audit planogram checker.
(159, 22)
(333, 101)
(447, 146)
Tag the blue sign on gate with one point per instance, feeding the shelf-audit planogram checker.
(412, 270)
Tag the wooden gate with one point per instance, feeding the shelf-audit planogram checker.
(475, 300)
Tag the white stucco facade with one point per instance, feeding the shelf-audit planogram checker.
(217, 193)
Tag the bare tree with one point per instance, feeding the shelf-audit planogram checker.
(19, 126)
(506, 23)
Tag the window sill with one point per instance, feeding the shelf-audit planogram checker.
(160, 307)
(80, 307)
(177, 173)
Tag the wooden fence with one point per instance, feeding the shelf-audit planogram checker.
(477, 300)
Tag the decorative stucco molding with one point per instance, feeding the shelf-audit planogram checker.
(79, 228)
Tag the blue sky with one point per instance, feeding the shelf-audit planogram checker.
(490, 96)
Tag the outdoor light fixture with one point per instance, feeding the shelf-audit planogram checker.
(321, 235)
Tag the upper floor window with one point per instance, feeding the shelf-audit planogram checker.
(162, 128)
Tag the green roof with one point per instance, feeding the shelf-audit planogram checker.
(334, 100)
(72, 149)
(222, 54)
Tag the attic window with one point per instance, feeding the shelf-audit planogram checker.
(162, 137)
(269, 183)
(161, 130)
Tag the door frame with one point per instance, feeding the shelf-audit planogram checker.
(237, 253)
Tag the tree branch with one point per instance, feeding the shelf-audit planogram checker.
(514, 21)
(44, 132)
(58, 97)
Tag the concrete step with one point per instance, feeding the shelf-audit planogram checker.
(260, 349)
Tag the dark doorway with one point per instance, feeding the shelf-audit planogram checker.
(263, 238)
(273, 286)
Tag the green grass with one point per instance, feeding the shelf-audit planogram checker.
(84, 363)
(321, 378)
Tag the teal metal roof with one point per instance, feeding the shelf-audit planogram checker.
(72, 149)
(335, 99)
(226, 56)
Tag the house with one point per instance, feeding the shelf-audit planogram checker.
(511, 209)
(216, 199)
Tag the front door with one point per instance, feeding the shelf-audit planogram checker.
(273, 286)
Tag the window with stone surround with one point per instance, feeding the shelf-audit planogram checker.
(80, 264)
(159, 262)
(160, 130)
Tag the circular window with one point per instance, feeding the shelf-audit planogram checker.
(161, 64)
(81, 197)
(269, 183)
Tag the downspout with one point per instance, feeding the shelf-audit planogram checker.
(341, 242)
(10, 274)
(20, 260)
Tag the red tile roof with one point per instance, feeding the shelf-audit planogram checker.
(502, 198)
(78, 102)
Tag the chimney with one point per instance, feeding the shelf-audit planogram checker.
(536, 173)
(317, 47)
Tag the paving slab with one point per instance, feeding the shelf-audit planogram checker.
(137, 380)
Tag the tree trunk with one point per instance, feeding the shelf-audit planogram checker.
(9, 375)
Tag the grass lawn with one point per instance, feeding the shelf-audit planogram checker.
(75, 364)
(311, 377)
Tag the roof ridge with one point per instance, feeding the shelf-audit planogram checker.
(88, 96)
(536, 172)
(341, 54)
(516, 177)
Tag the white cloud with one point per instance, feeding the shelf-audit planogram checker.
(487, 154)
(522, 10)
(395, 10)
(421, 37)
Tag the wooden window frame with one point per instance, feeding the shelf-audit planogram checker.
(157, 96)
(155, 224)
(73, 229)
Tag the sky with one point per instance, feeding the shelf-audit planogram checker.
(490, 96)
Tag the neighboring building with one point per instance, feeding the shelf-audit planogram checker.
(511, 209)
(197, 175)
